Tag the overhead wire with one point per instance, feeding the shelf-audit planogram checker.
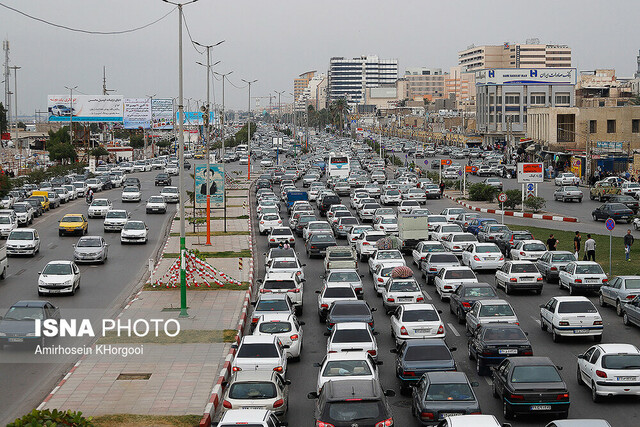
(195, 46)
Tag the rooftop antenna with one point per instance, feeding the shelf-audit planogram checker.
(105, 91)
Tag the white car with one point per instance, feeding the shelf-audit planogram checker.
(401, 291)
(284, 283)
(316, 227)
(416, 321)
(63, 193)
(115, 220)
(72, 191)
(131, 193)
(134, 231)
(415, 194)
(266, 163)
(434, 220)
(356, 231)
(290, 265)
(486, 311)
(406, 206)
(260, 353)
(94, 184)
(566, 178)
(345, 276)
(631, 189)
(335, 208)
(333, 291)
(80, 188)
(356, 198)
(582, 276)
(279, 235)
(383, 212)
(519, 275)
(423, 249)
(286, 327)
(384, 255)
(442, 230)
(25, 241)
(570, 317)
(451, 173)
(529, 250)
(8, 223)
(390, 197)
(458, 242)
(266, 203)
(452, 213)
(24, 213)
(59, 277)
(269, 221)
(346, 366)
(156, 204)
(7, 201)
(170, 194)
(352, 336)
(610, 370)
(99, 208)
(382, 274)
(448, 279)
(483, 256)
(387, 224)
(171, 169)
(366, 243)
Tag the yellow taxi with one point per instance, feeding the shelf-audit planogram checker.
(73, 224)
(199, 155)
(42, 198)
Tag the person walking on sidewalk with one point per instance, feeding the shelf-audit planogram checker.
(576, 245)
(552, 242)
(441, 188)
(628, 241)
(590, 249)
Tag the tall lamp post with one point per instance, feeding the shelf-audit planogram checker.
(295, 129)
(150, 97)
(222, 116)
(249, 83)
(183, 272)
(279, 111)
(71, 109)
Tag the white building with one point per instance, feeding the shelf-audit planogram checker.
(348, 78)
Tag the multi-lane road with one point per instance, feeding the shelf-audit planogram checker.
(303, 375)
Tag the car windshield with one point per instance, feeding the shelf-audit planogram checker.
(524, 268)
(156, 199)
(503, 334)
(534, 247)
(463, 238)
(351, 335)
(117, 214)
(459, 274)
(100, 202)
(589, 269)
(272, 305)
(621, 361)
(353, 410)
(563, 258)
(340, 368)
(350, 310)
(134, 225)
(276, 327)
(57, 269)
(535, 374)
(427, 352)
(28, 235)
(130, 190)
(420, 316)
(483, 291)
(24, 313)
(71, 218)
(89, 243)
(389, 255)
(252, 390)
(257, 350)
(5, 220)
(20, 208)
(576, 307)
(449, 392)
(279, 284)
(404, 286)
(496, 310)
(170, 190)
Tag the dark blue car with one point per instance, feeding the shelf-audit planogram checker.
(475, 224)
(419, 356)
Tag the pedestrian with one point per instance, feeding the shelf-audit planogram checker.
(552, 242)
(590, 249)
(576, 245)
(628, 241)
(441, 188)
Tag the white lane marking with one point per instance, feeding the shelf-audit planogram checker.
(536, 320)
(428, 296)
(453, 329)
(488, 380)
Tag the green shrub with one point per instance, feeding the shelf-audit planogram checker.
(535, 203)
(54, 417)
(482, 192)
(514, 198)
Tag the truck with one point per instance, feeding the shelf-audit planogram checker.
(340, 257)
(294, 196)
(411, 230)
(603, 191)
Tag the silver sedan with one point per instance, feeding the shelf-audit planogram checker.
(90, 249)
(568, 193)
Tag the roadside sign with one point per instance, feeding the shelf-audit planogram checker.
(530, 172)
(471, 169)
(460, 172)
(502, 197)
(445, 162)
(529, 187)
(610, 224)
(426, 162)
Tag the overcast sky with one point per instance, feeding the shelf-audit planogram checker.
(276, 40)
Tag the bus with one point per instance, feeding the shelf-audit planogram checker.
(339, 166)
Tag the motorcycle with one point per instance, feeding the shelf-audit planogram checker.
(88, 199)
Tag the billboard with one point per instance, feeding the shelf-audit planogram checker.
(519, 76)
(530, 172)
(137, 113)
(85, 108)
(162, 113)
(216, 184)
(194, 118)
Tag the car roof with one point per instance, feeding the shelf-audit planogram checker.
(582, 423)
(279, 317)
(447, 377)
(493, 302)
(585, 262)
(244, 415)
(356, 388)
(60, 262)
(619, 348)
(570, 298)
(259, 339)
(531, 361)
(30, 303)
(252, 376)
(417, 306)
(475, 285)
(273, 296)
(351, 325)
(425, 342)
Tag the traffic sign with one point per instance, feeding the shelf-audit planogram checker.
(460, 172)
(610, 224)
(502, 197)
(445, 162)
(530, 187)
(471, 169)
(426, 162)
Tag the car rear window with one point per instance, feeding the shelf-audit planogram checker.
(576, 307)
(351, 335)
(563, 258)
(420, 316)
(589, 269)
(621, 361)
(344, 276)
(351, 309)
(496, 310)
(257, 350)
(404, 286)
(459, 274)
(445, 258)
(274, 327)
(503, 334)
(483, 291)
(340, 368)
(272, 305)
(534, 247)
(427, 352)
(353, 410)
(524, 268)
(339, 293)
(281, 232)
(535, 374)
(374, 237)
(449, 393)
(464, 238)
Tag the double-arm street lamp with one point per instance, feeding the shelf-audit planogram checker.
(249, 83)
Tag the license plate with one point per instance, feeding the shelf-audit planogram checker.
(592, 280)
(422, 331)
(155, 209)
(252, 407)
(448, 414)
(70, 229)
(580, 331)
(405, 298)
(526, 279)
(489, 258)
(508, 351)
(540, 407)
(625, 378)
(16, 339)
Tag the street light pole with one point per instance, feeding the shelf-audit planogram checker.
(150, 127)
(15, 103)
(249, 131)
(222, 119)
(70, 112)
(279, 111)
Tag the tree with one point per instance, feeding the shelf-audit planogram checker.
(22, 126)
(98, 152)
(62, 151)
(3, 118)
(137, 141)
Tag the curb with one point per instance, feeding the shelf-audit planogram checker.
(513, 213)
(216, 392)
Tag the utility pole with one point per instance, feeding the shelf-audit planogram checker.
(71, 110)
(279, 111)
(183, 272)
(222, 117)
(249, 130)
(587, 159)
(15, 104)
(295, 129)
(7, 86)
(144, 130)
(106, 91)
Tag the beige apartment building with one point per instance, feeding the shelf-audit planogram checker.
(301, 83)
(424, 83)
(519, 55)
(461, 84)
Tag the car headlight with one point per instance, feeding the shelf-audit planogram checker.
(41, 282)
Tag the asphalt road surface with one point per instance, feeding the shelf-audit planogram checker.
(303, 375)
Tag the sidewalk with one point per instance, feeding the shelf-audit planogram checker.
(173, 376)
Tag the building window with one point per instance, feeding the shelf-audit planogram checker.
(566, 127)
(537, 98)
(491, 101)
(563, 98)
(635, 126)
(491, 118)
(593, 126)
(611, 126)
(512, 98)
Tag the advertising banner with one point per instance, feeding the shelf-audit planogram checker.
(162, 114)
(506, 76)
(530, 172)
(137, 113)
(576, 166)
(85, 108)
(216, 184)
(194, 118)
